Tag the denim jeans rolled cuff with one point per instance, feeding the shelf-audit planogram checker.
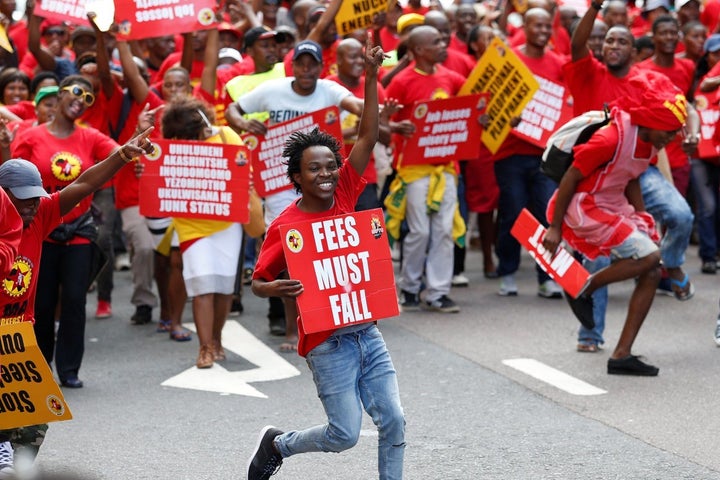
(671, 211)
(352, 371)
(600, 302)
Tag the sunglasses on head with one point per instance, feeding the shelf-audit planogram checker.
(79, 92)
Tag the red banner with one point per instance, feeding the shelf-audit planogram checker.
(549, 108)
(196, 180)
(562, 267)
(72, 11)
(706, 104)
(269, 169)
(345, 267)
(149, 18)
(445, 130)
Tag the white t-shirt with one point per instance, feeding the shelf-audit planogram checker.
(279, 99)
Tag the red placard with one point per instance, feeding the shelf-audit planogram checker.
(445, 130)
(148, 18)
(562, 267)
(345, 267)
(706, 104)
(269, 169)
(196, 180)
(72, 11)
(549, 108)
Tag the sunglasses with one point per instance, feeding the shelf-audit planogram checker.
(78, 92)
(58, 32)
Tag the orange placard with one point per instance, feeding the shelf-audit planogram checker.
(562, 267)
(269, 169)
(28, 392)
(188, 179)
(511, 85)
(345, 267)
(357, 14)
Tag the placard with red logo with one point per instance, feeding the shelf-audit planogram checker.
(562, 267)
(72, 11)
(30, 395)
(445, 129)
(706, 104)
(345, 267)
(269, 169)
(147, 18)
(548, 109)
(189, 179)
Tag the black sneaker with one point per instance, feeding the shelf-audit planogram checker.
(442, 304)
(265, 461)
(142, 315)
(409, 302)
(631, 365)
(582, 307)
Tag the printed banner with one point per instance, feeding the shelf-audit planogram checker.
(706, 104)
(269, 169)
(445, 130)
(357, 14)
(510, 84)
(547, 110)
(139, 19)
(345, 267)
(196, 180)
(562, 267)
(29, 394)
(72, 11)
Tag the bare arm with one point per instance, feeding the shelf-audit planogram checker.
(208, 79)
(277, 288)
(95, 177)
(581, 35)
(326, 18)
(134, 82)
(634, 195)
(45, 59)
(566, 190)
(107, 82)
(188, 55)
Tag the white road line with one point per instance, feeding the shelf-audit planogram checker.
(553, 376)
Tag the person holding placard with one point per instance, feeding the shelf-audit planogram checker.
(351, 366)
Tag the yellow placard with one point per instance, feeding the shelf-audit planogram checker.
(4, 40)
(358, 14)
(28, 392)
(511, 85)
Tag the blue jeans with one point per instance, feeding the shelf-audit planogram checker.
(522, 185)
(705, 179)
(669, 208)
(352, 370)
(600, 302)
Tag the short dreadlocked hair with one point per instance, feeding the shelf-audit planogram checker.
(299, 142)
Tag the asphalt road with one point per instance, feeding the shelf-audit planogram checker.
(470, 415)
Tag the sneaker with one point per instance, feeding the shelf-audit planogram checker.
(665, 288)
(236, 308)
(142, 315)
(122, 262)
(582, 307)
(508, 287)
(460, 280)
(631, 365)
(265, 461)
(709, 267)
(247, 276)
(104, 309)
(549, 289)
(6, 461)
(717, 333)
(409, 302)
(442, 304)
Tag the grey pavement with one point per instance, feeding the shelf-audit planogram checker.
(469, 416)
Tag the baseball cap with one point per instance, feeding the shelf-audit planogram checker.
(82, 31)
(681, 3)
(261, 33)
(22, 178)
(309, 47)
(712, 44)
(229, 53)
(651, 5)
(408, 20)
(45, 92)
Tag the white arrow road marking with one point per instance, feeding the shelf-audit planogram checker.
(237, 339)
(553, 376)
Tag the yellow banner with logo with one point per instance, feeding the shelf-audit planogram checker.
(511, 85)
(28, 393)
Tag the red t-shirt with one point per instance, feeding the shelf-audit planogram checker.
(271, 260)
(348, 120)
(592, 85)
(11, 227)
(173, 60)
(104, 112)
(61, 161)
(559, 42)
(457, 45)
(389, 40)
(461, 63)
(24, 109)
(18, 33)
(17, 295)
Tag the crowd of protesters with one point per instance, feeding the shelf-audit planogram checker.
(71, 95)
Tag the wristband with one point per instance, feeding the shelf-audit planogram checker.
(124, 157)
(597, 6)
